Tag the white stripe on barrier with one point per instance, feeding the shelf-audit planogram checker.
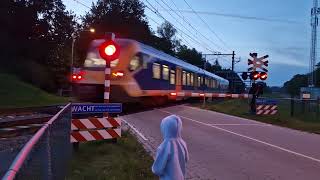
(87, 135)
(72, 139)
(266, 112)
(73, 127)
(274, 107)
(222, 95)
(260, 112)
(106, 95)
(107, 83)
(260, 107)
(107, 71)
(194, 94)
(266, 107)
(274, 112)
(104, 134)
(235, 95)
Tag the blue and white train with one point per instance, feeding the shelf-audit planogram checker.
(142, 72)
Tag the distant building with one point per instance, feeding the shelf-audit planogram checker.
(237, 86)
(309, 93)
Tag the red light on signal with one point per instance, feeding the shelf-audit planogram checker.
(173, 94)
(79, 77)
(263, 75)
(255, 75)
(109, 50)
(74, 76)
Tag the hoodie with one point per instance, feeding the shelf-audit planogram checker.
(172, 154)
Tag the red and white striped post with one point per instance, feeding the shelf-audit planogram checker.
(107, 73)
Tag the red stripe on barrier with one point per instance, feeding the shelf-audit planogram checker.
(96, 135)
(113, 122)
(96, 123)
(78, 124)
(113, 133)
(78, 136)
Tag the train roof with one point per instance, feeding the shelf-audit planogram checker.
(161, 55)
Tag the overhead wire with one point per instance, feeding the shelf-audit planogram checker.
(210, 29)
(155, 11)
(190, 25)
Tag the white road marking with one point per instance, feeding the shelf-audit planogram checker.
(247, 137)
(235, 117)
(136, 130)
(240, 124)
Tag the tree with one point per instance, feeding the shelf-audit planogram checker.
(167, 41)
(34, 33)
(294, 84)
(125, 18)
(191, 56)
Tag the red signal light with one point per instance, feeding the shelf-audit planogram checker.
(79, 77)
(74, 77)
(263, 75)
(109, 50)
(255, 75)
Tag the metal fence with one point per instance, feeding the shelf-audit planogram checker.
(47, 153)
(306, 109)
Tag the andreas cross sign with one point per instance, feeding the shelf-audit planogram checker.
(258, 63)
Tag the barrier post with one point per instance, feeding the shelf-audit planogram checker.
(292, 106)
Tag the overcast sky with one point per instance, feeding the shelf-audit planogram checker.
(279, 28)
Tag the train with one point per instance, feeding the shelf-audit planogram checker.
(142, 73)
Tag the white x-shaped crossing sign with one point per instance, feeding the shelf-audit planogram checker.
(258, 63)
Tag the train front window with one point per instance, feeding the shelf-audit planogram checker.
(172, 77)
(188, 79)
(156, 70)
(135, 63)
(165, 72)
(199, 81)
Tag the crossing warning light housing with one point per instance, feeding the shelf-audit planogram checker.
(263, 75)
(109, 50)
(254, 75)
(244, 76)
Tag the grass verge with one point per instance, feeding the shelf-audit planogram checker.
(15, 94)
(124, 160)
(240, 107)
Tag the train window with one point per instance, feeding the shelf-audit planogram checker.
(199, 81)
(172, 77)
(214, 83)
(188, 79)
(135, 63)
(156, 70)
(184, 77)
(165, 72)
(191, 79)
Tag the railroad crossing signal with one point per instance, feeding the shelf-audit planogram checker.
(258, 63)
(109, 50)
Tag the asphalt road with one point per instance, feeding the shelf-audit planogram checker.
(225, 147)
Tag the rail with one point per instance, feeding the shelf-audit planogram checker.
(37, 152)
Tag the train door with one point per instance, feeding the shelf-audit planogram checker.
(178, 79)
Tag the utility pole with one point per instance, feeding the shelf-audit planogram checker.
(220, 54)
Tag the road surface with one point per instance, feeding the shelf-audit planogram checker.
(225, 147)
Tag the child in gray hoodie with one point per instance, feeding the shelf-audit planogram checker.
(172, 154)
